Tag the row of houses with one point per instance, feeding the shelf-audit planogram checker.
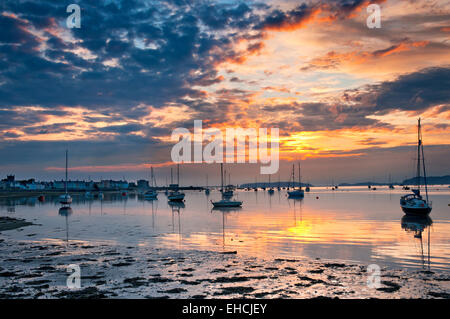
(10, 183)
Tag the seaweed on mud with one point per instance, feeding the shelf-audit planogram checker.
(173, 291)
(391, 286)
(334, 265)
(135, 281)
(218, 270)
(86, 293)
(439, 294)
(234, 290)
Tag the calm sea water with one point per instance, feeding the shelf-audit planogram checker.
(349, 224)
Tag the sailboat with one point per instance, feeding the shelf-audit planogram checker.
(414, 203)
(299, 192)
(66, 199)
(151, 194)
(176, 195)
(228, 191)
(225, 202)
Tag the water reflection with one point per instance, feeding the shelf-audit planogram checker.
(225, 211)
(347, 224)
(66, 211)
(297, 205)
(417, 225)
(176, 210)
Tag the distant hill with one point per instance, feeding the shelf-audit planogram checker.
(275, 184)
(432, 180)
(365, 184)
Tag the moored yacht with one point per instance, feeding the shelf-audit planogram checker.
(225, 201)
(176, 195)
(66, 199)
(151, 194)
(415, 203)
(299, 192)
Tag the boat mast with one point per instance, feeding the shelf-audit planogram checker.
(152, 178)
(418, 155)
(178, 174)
(293, 175)
(423, 162)
(221, 175)
(65, 184)
(299, 176)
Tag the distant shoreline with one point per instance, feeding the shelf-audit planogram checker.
(31, 193)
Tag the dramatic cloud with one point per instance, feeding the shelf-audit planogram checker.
(114, 89)
(126, 53)
(410, 92)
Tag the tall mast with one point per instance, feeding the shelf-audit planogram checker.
(418, 155)
(423, 162)
(152, 177)
(65, 184)
(221, 175)
(171, 175)
(178, 174)
(293, 175)
(299, 176)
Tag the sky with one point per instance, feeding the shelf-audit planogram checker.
(345, 97)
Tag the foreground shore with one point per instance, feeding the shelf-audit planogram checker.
(39, 270)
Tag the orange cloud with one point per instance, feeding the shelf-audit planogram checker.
(333, 59)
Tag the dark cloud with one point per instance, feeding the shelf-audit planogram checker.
(302, 14)
(50, 129)
(416, 91)
(409, 92)
(163, 49)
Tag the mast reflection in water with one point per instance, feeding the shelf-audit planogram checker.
(66, 211)
(417, 225)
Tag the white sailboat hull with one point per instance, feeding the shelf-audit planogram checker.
(65, 199)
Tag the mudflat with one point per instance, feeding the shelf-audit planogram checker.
(8, 223)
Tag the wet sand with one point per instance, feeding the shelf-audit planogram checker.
(39, 270)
